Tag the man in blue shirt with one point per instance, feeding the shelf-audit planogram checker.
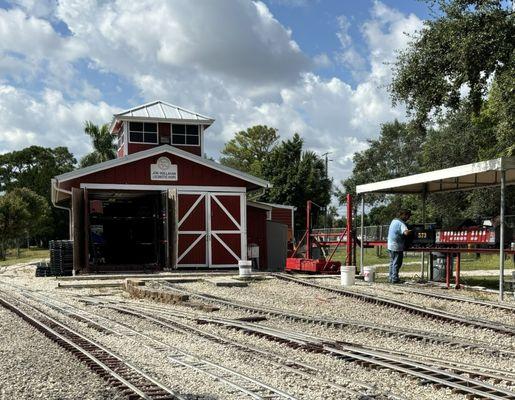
(396, 237)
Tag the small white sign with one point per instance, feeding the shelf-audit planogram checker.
(163, 170)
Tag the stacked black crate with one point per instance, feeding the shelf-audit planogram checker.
(61, 257)
(43, 269)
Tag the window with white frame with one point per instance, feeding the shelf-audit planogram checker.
(185, 134)
(143, 132)
(121, 140)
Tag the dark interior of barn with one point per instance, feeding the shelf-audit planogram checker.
(126, 229)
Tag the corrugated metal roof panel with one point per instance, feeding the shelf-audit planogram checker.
(161, 109)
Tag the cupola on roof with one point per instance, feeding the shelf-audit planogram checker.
(161, 111)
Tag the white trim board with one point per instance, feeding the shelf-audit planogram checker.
(180, 188)
(278, 205)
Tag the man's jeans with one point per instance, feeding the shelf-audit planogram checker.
(395, 265)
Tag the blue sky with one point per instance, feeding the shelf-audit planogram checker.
(316, 67)
(314, 24)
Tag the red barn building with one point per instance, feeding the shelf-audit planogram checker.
(160, 204)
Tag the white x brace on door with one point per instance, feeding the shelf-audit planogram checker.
(211, 229)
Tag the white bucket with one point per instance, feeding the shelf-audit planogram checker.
(348, 275)
(245, 267)
(369, 274)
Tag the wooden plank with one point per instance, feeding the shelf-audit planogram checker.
(78, 229)
(173, 215)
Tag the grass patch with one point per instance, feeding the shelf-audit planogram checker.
(469, 262)
(26, 255)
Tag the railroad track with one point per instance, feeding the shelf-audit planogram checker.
(456, 342)
(409, 307)
(363, 356)
(125, 377)
(307, 371)
(160, 317)
(453, 378)
(361, 391)
(237, 382)
(462, 299)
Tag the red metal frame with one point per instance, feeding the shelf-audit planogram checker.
(322, 265)
(348, 259)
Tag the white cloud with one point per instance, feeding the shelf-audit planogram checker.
(348, 56)
(230, 59)
(237, 41)
(46, 120)
(322, 60)
(386, 33)
(37, 8)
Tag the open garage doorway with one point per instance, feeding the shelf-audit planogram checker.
(127, 231)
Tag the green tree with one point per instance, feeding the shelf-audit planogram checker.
(103, 144)
(395, 153)
(296, 177)
(248, 149)
(464, 46)
(498, 117)
(23, 214)
(33, 168)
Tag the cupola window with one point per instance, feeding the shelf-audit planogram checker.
(185, 134)
(143, 132)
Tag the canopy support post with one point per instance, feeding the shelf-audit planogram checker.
(501, 235)
(362, 241)
(423, 255)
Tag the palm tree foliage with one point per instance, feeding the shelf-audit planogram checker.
(103, 144)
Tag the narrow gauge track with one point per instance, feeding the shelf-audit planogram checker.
(246, 385)
(150, 314)
(462, 299)
(411, 308)
(338, 323)
(473, 388)
(302, 369)
(125, 377)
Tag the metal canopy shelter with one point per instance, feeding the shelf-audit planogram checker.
(497, 172)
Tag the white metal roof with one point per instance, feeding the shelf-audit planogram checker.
(157, 150)
(259, 204)
(161, 111)
(279, 205)
(463, 177)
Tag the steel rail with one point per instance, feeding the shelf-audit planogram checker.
(290, 364)
(334, 323)
(412, 308)
(228, 376)
(463, 299)
(426, 373)
(101, 360)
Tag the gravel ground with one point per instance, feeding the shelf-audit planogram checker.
(34, 367)
(269, 293)
(191, 383)
(318, 303)
(403, 294)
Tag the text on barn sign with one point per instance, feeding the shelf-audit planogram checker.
(163, 170)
